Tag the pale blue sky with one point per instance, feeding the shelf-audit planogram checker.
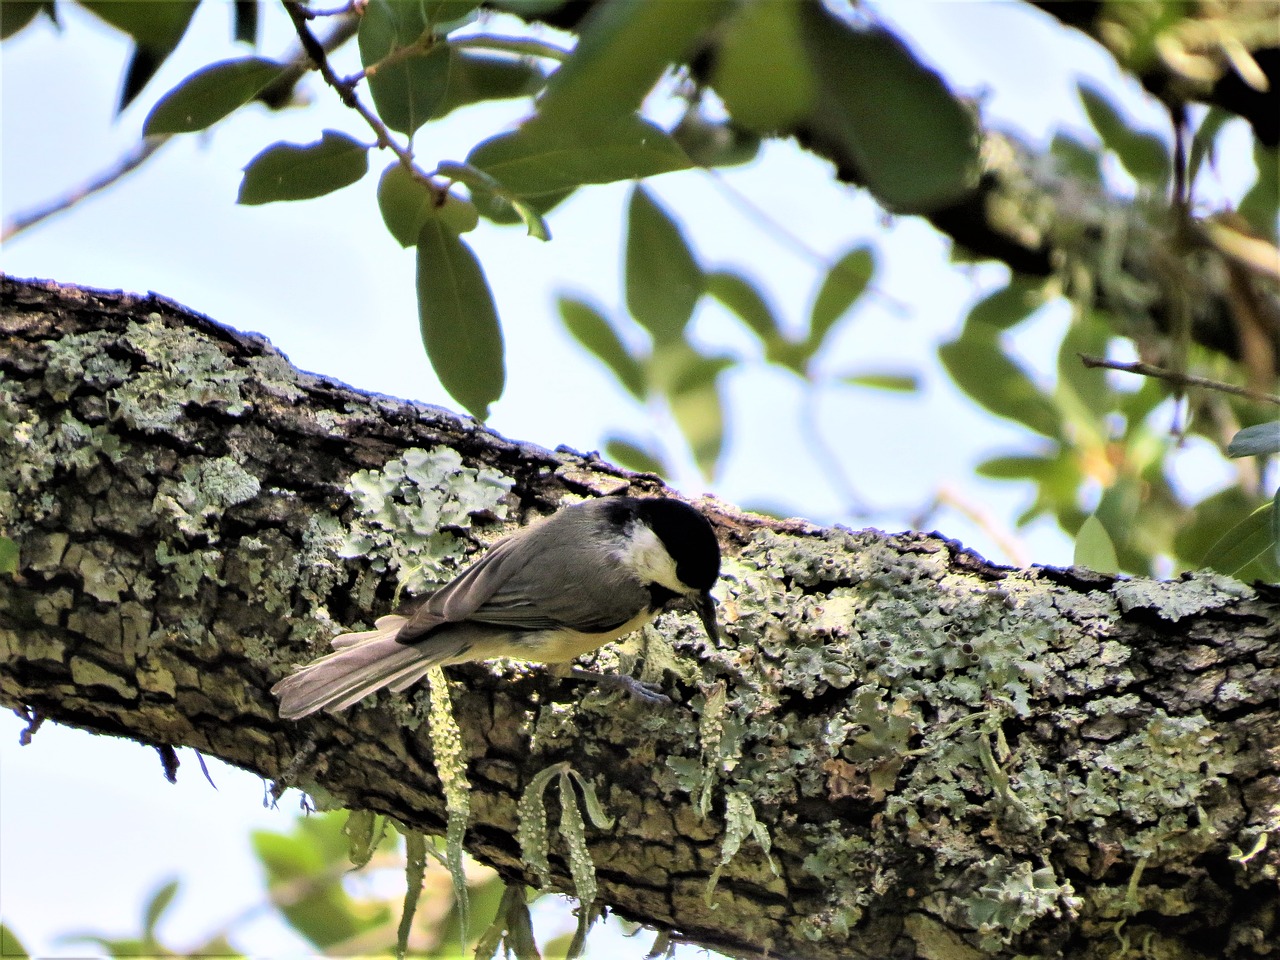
(87, 826)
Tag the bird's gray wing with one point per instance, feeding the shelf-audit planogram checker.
(539, 578)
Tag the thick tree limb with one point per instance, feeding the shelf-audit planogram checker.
(916, 753)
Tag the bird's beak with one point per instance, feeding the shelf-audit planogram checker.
(705, 604)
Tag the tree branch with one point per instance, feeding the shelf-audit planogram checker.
(943, 756)
(1179, 379)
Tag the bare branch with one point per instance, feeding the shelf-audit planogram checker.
(1180, 379)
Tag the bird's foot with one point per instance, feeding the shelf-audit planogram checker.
(640, 690)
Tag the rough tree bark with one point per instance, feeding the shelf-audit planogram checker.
(915, 753)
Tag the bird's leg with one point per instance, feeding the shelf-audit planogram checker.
(644, 692)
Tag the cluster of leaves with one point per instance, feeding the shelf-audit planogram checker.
(422, 59)
(1101, 467)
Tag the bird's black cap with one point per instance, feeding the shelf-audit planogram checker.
(688, 537)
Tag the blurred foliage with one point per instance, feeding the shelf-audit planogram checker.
(324, 881)
(1130, 249)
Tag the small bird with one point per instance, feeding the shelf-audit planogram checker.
(591, 573)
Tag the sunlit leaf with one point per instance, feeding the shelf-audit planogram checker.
(409, 90)
(540, 158)
(407, 202)
(1256, 441)
(459, 319)
(633, 456)
(210, 94)
(914, 144)
(590, 328)
(845, 282)
(290, 171)
(761, 72)
(743, 297)
(1094, 549)
(990, 377)
(663, 279)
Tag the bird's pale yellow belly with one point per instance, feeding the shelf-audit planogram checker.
(563, 645)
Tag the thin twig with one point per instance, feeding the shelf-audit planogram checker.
(1181, 379)
(984, 520)
(126, 164)
(346, 91)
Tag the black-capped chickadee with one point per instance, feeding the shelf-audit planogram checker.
(591, 573)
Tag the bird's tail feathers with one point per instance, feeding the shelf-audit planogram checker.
(360, 664)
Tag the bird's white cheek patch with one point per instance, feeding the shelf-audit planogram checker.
(649, 559)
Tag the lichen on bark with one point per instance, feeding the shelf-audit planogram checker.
(947, 758)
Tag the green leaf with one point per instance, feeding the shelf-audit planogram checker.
(415, 869)
(210, 94)
(1256, 441)
(624, 46)
(1275, 529)
(478, 77)
(590, 328)
(1143, 155)
(156, 907)
(16, 14)
(539, 158)
(1008, 306)
(8, 560)
(1260, 204)
(157, 26)
(245, 22)
(743, 297)
(633, 456)
(444, 15)
(1094, 549)
(689, 380)
(1076, 159)
(845, 282)
(884, 380)
(1238, 551)
(290, 171)
(760, 71)
(407, 202)
(984, 372)
(1017, 468)
(409, 91)
(914, 144)
(10, 945)
(459, 319)
(1204, 142)
(663, 279)
(491, 199)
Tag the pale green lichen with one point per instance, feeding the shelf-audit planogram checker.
(1173, 600)
(204, 489)
(740, 823)
(1014, 897)
(532, 832)
(406, 510)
